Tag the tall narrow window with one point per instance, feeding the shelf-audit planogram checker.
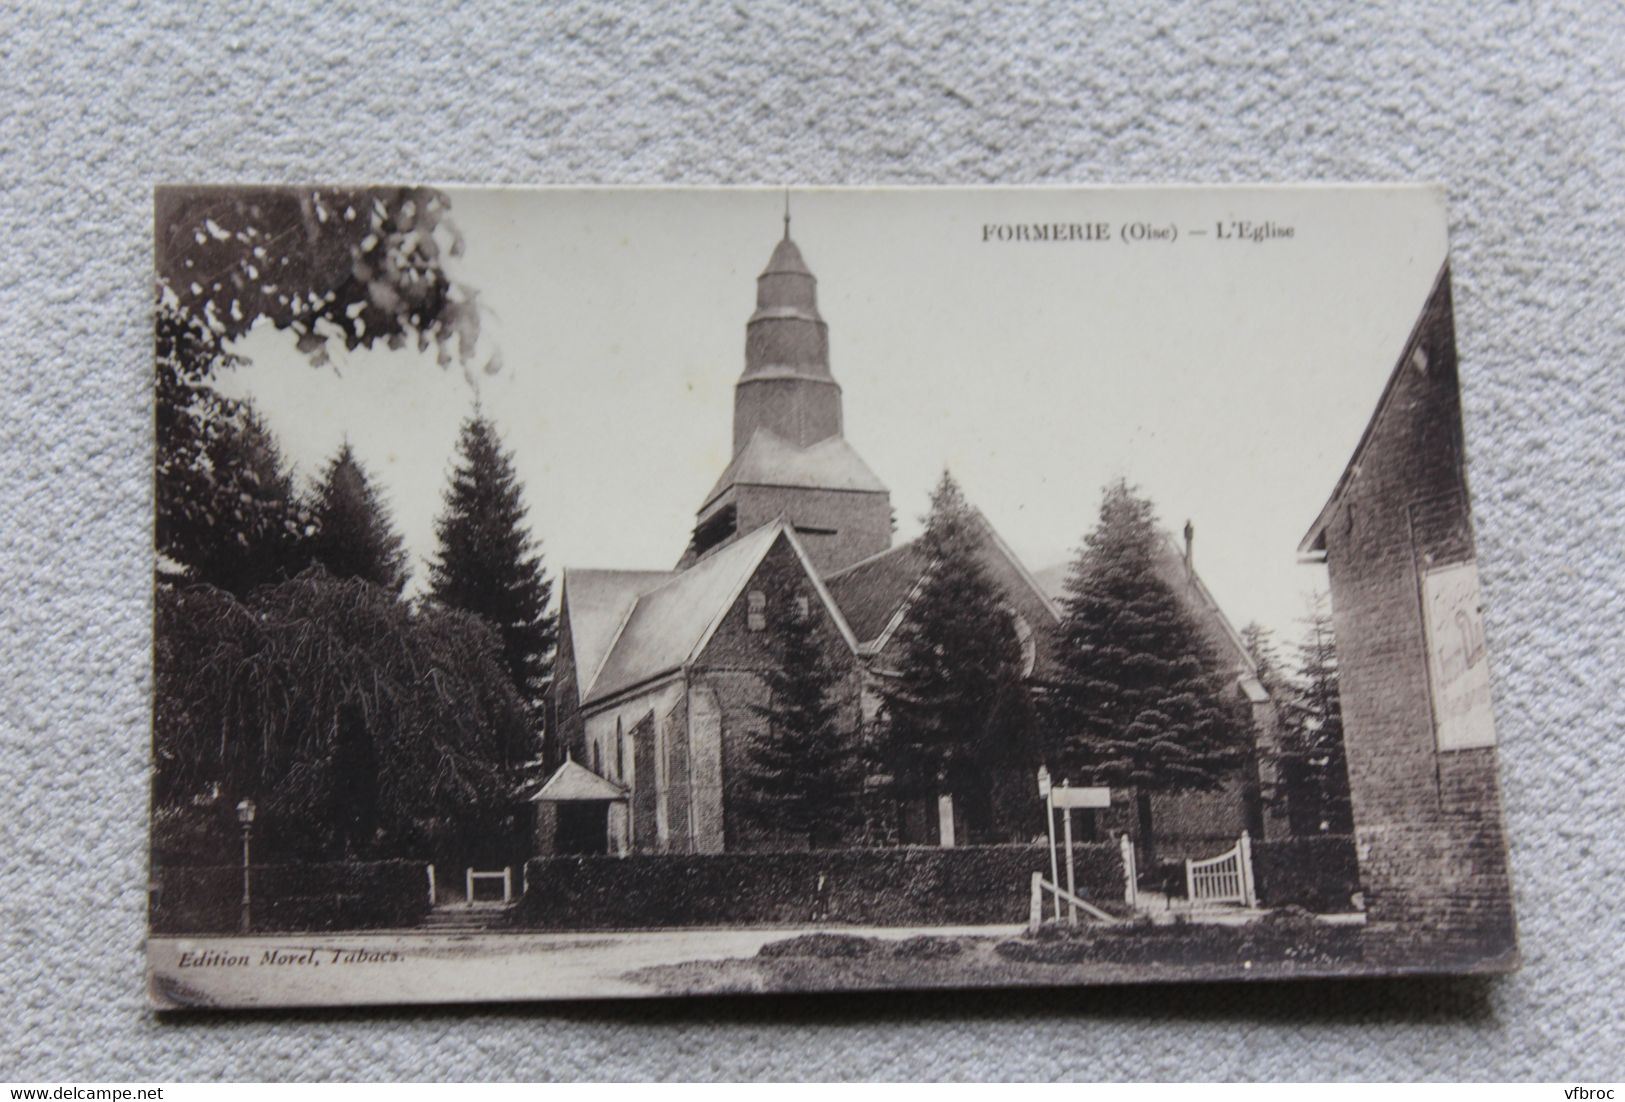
(803, 607)
(1029, 644)
(756, 610)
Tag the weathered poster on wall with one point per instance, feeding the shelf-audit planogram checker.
(1457, 663)
(583, 593)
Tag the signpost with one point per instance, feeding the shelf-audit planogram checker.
(1046, 792)
(1071, 885)
(1067, 798)
(1082, 797)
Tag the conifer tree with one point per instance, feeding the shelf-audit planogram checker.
(227, 514)
(1259, 642)
(953, 713)
(488, 563)
(354, 537)
(1315, 765)
(1139, 702)
(802, 773)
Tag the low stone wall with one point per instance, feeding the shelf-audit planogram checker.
(357, 895)
(916, 885)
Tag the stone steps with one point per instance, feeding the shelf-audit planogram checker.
(455, 917)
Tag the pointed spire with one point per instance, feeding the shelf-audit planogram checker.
(786, 332)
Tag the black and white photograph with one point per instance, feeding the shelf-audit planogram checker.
(568, 593)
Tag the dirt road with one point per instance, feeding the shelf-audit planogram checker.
(405, 967)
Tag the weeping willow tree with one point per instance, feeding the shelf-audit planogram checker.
(359, 726)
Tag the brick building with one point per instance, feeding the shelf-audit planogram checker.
(659, 673)
(1397, 542)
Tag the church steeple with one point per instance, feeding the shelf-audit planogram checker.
(786, 387)
(790, 459)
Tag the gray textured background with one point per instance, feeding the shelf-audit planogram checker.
(1517, 107)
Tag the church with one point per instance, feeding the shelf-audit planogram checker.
(659, 674)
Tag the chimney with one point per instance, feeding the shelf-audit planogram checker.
(1190, 535)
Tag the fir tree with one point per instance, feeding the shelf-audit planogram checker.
(802, 774)
(354, 537)
(1139, 703)
(488, 563)
(227, 514)
(953, 714)
(1315, 765)
(1259, 642)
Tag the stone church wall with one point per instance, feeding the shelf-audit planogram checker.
(737, 657)
(622, 743)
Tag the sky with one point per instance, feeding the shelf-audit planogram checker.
(1228, 378)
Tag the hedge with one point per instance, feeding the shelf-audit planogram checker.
(1319, 873)
(356, 895)
(970, 885)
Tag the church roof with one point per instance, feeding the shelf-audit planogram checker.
(870, 592)
(770, 460)
(786, 258)
(571, 782)
(874, 592)
(1220, 632)
(1314, 540)
(1053, 579)
(599, 602)
(668, 624)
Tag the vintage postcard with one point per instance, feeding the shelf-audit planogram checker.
(581, 593)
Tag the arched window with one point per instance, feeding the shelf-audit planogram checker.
(756, 610)
(1029, 645)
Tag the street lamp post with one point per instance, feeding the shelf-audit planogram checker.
(245, 816)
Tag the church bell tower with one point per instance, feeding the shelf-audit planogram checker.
(790, 457)
(786, 388)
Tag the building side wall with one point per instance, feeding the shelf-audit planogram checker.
(1428, 824)
(801, 410)
(837, 527)
(624, 742)
(705, 766)
(676, 779)
(733, 666)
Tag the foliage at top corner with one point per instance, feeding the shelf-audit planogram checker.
(357, 265)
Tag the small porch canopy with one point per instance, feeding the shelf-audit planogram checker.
(575, 783)
(579, 812)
